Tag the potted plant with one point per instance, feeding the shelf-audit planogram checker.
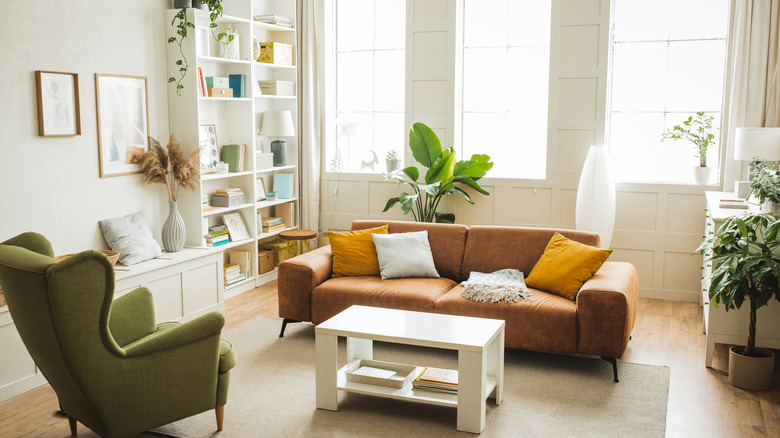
(747, 268)
(699, 131)
(392, 161)
(441, 178)
(766, 187)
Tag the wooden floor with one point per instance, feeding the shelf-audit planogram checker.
(668, 333)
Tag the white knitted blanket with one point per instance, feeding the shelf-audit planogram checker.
(507, 285)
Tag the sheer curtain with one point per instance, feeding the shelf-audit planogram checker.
(752, 88)
(310, 113)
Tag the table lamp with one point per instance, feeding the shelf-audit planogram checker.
(750, 143)
(278, 124)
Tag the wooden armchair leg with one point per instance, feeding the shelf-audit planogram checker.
(220, 411)
(72, 424)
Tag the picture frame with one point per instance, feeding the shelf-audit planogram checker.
(236, 226)
(122, 122)
(59, 110)
(260, 189)
(209, 148)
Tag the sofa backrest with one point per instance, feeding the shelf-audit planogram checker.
(448, 242)
(490, 248)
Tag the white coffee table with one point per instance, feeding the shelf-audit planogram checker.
(479, 342)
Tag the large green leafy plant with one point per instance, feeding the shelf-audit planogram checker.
(766, 185)
(443, 177)
(746, 265)
(698, 130)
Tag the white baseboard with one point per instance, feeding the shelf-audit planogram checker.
(665, 294)
(21, 386)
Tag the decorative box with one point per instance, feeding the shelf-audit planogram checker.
(403, 373)
(220, 92)
(276, 53)
(217, 82)
(277, 88)
(265, 261)
(228, 201)
(281, 250)
(264, 161)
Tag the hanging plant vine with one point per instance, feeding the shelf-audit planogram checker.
(181, 24)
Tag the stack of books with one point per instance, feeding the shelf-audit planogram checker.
(233, 273)
(273, 224)
(228, 197)
(218, 235)
(438, 380)
(274, 19)
(204, 202)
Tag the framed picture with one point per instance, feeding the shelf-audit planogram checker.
(236, 226)
(259, 189)
(123, 122)
(58, 104)
(209, 149)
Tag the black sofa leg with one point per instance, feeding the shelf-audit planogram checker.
(613, 361)
(284, 325)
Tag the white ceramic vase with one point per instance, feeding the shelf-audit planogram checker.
(173, 230)
(392, 165)
(702, 175)
(596, 196)
(770, 207)
(230, 50)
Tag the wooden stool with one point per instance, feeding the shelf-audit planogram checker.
(301, 236)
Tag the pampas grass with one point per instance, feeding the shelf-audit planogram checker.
(161, 166)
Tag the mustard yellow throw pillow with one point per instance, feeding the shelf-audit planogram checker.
(354, 253)
(565, 265)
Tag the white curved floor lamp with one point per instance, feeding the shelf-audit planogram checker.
(595, 209)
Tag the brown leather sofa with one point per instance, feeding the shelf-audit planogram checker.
(598, 322)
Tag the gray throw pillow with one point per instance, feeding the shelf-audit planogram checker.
(404, 255)
(131, 238)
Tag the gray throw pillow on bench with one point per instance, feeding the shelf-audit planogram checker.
(404, 255)
(131, 238)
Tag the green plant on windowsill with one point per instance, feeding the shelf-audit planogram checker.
(392, 155)
(443, 177)
(698, 130)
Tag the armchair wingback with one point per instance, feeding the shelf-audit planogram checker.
(113, 368)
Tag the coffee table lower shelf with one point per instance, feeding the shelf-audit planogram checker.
(407, 392)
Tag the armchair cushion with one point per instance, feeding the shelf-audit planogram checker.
(132, 316)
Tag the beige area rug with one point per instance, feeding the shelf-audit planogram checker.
(545, 395)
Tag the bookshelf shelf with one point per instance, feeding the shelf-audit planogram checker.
(276, 169)
(215, 176)
(271, 27)
(264, 204)
(268, 96)
(224, 99)
(268, 65)
(223, 210)
(219, 60)
(275, 233)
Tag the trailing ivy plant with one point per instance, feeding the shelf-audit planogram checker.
(440, 179)
(181, 24)
(698, 131)
(215, 11)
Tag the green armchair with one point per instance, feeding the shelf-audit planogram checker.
(113, 368)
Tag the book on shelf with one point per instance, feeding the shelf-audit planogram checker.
(283, 185)
(274, 228)
(230, 154)
(438, 380)
(243, 259)
(236, 82)
(231, 269)
(213, 244)
(273, 19)
(216, 228)
(241, 155)
(285, 212)
(271, 221)
(201, 82)
(229, 191)
(236, 279)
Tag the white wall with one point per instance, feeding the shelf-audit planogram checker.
(658, 226)
(51, 184)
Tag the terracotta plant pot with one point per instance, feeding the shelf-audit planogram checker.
(751, 373)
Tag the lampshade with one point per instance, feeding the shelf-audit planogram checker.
(277, 124)
(763, 143)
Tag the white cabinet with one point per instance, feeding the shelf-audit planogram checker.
(237, 120)
(721, 327)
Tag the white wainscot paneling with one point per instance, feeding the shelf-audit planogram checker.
(430, 100)
(201, 289)
(430, 52)
(572, 147)
(531, 206)
(380, 192)
(682, 271)
(167, 298)
(568, 208)
(636, 211)
(348, 197)
(577, 98)
(579, 49)
(685, 214)
(431, 11)
(579, 8)
(479, 213)
(643, 261)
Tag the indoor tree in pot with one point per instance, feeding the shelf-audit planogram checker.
(766, 187)
(161, 166)
(441, 178)
(746, 268)
(699, 131)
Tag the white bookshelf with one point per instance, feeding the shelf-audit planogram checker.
(237, 121)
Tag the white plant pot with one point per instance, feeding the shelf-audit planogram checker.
(392, 165)
(751, 373)
(702, 175)
(770, 207)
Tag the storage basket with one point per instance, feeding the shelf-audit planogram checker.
(113, 256)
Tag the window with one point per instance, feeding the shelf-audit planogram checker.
(369, 81)
(667, 63)
(505, 79)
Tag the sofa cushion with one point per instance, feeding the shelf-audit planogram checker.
(546, 323)
(337, 294)
(404, 255)
(490, 248)
(354, 253)
(447, 242)
(565, 266)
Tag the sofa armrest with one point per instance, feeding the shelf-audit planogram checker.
(606, 309)
(298, 277)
